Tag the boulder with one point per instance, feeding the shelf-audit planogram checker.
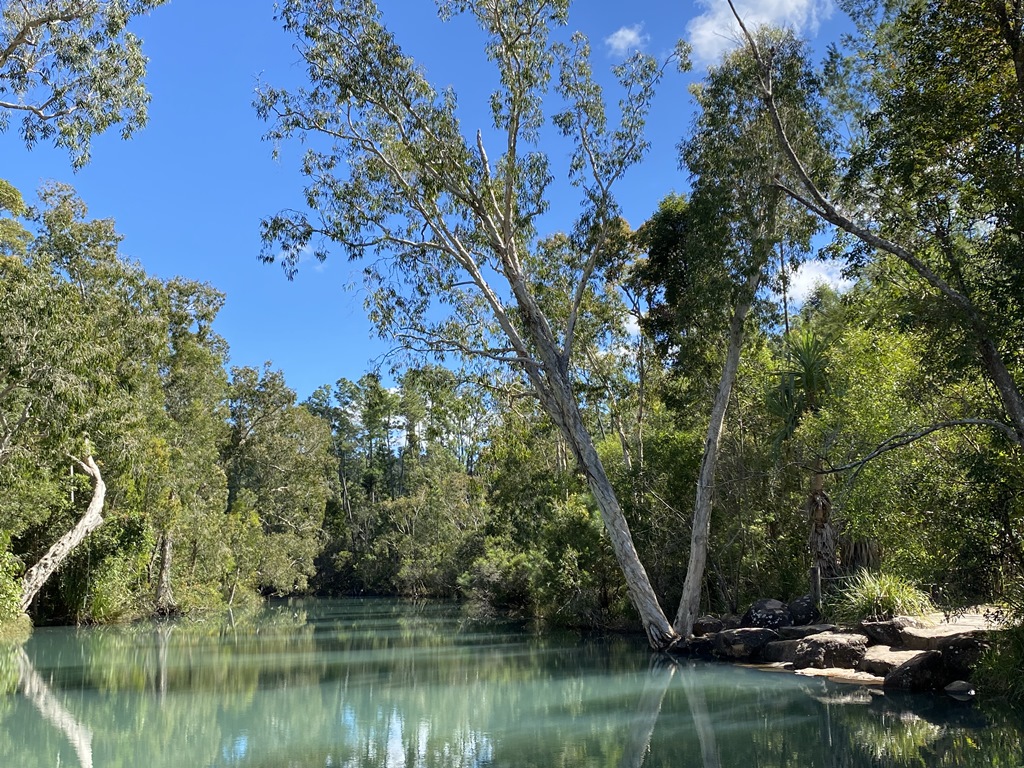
(933, 638)
(888, 632)
(924, 672)
(702, 647)
(961, 654)
(767, 613)
(830, 649)
(803, 611)
(744, 643)
(707, 625)
(799, 633)
(881, 659)
(780, 650)
(731, 621)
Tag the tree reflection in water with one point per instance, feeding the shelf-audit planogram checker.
(370, 684)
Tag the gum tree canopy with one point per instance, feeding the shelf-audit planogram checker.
(451, 232)
(71, 69)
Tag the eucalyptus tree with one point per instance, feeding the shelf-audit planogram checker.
(708, 257)
(70, 69)
(454, 232)
(934, 96)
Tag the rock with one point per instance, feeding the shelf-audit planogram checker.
(695, 647)
(743, 643)
(707, 625)
(933, 638)
(961, 654)
(960, 690)
(888, 632)
(731, 621)
(924, 672)
(799, 633)
(803, 611)
(780, 650)
(830, 649)
(767, 613)
(881, 659)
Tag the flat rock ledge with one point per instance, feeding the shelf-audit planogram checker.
(903, 654)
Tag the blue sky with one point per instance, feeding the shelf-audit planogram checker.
(188, 192)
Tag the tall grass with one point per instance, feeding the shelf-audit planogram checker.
(876, 597)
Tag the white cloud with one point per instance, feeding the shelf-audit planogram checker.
(811, 274)
(625, 40)
(715, 31)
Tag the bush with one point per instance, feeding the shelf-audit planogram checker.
(499, 580)
(876, 597)
(1002, 668)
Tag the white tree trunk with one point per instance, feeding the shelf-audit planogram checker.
(48, 564)
(689, 603)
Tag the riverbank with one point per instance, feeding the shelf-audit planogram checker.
(926, 653)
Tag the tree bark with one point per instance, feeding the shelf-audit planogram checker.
(48, 564)
(164, 595)
(689, 603)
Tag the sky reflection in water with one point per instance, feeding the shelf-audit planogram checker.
(377, 683)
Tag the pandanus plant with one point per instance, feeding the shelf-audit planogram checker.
(802, 390)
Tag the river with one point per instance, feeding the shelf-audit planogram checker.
(381, 683)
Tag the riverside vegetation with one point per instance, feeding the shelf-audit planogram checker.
(552, 472)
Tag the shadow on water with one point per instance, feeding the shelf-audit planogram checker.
(380, 683)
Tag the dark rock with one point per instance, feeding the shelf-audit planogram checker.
(888, 632)
(780, 650)
(830, 649)
(767, 613)
(695, 647)
(924, 672)
(803, 611)
(707, 625)
(730, 621)
(744, 643)
(961, 654)
(881, 659)
(799, 633)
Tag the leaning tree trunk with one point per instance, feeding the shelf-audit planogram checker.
(48, 564)
(689, 603)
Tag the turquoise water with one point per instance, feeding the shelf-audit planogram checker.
(361, 683)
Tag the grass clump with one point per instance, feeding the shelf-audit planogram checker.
(877, 597)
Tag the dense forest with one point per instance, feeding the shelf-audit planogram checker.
(589, 426)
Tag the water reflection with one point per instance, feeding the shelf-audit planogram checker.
(374, 684)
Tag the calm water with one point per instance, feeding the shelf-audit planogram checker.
(383, 683)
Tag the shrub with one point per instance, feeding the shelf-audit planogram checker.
(1002, 668)
(871, 596)
(499, 580)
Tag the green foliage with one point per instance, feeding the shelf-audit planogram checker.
(10, 584)
(1002, 668)
(875, 597)
(71, 71)
(500, 580)
(576, 582)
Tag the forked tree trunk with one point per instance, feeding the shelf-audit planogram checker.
(689, 603)
(48, 564)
